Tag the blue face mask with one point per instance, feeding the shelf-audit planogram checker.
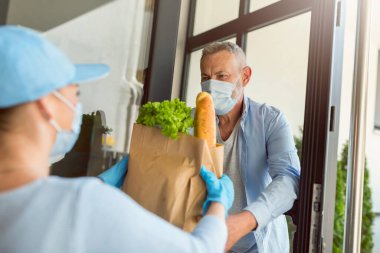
(65, 140)
(224, 94)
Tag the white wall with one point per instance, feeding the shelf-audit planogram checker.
(43, 15)
(98, 31)
(105, 35)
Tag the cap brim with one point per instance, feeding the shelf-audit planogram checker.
(89, 72)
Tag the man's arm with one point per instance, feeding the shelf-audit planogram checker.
(284, 169)
(238, 226)
(279, 196)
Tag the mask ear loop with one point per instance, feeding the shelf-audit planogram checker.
(67, 103)
(64, 100)
(238, 91)
(55, 125)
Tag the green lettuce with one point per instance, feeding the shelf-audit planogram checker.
(172, 117)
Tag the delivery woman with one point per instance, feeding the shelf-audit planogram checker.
(40, 118)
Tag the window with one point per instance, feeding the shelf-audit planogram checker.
(279, 63)
(212, 13)
(294, 38)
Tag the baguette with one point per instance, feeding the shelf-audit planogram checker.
(204, 124)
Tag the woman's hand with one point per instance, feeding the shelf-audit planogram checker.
(116, 174)
(218, 190)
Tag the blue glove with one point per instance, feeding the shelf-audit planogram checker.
(218, 190)
(116, 174)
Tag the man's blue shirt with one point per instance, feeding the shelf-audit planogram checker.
(270, 171)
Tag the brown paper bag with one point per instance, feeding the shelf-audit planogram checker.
(163, 174)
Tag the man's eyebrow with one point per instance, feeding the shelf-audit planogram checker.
(217, 73)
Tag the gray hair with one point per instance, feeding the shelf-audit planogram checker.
(227, 46)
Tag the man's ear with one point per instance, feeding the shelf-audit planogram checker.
(247, 72)
(45, 106)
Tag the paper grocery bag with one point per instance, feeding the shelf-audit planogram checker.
(163, 174)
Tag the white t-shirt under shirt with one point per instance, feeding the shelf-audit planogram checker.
(231, 166)
(84, 215)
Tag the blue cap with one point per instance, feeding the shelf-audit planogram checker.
(31, 67)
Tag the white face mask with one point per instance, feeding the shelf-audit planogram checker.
(65, 140)
(224, 94)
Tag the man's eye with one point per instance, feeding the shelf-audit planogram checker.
(78, 93)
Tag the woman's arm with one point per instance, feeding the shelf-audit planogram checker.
(116, 223)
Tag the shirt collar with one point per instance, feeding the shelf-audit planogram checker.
(245, 108)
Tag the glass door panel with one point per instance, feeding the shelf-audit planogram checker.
(212, 13)
(279, 66)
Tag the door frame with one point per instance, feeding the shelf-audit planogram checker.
(307, 211)
(4, 7)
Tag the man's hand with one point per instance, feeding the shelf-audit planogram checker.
(238, 226)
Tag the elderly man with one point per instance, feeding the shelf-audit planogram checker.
(260, 155)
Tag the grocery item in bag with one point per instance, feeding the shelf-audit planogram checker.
(163, 172)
